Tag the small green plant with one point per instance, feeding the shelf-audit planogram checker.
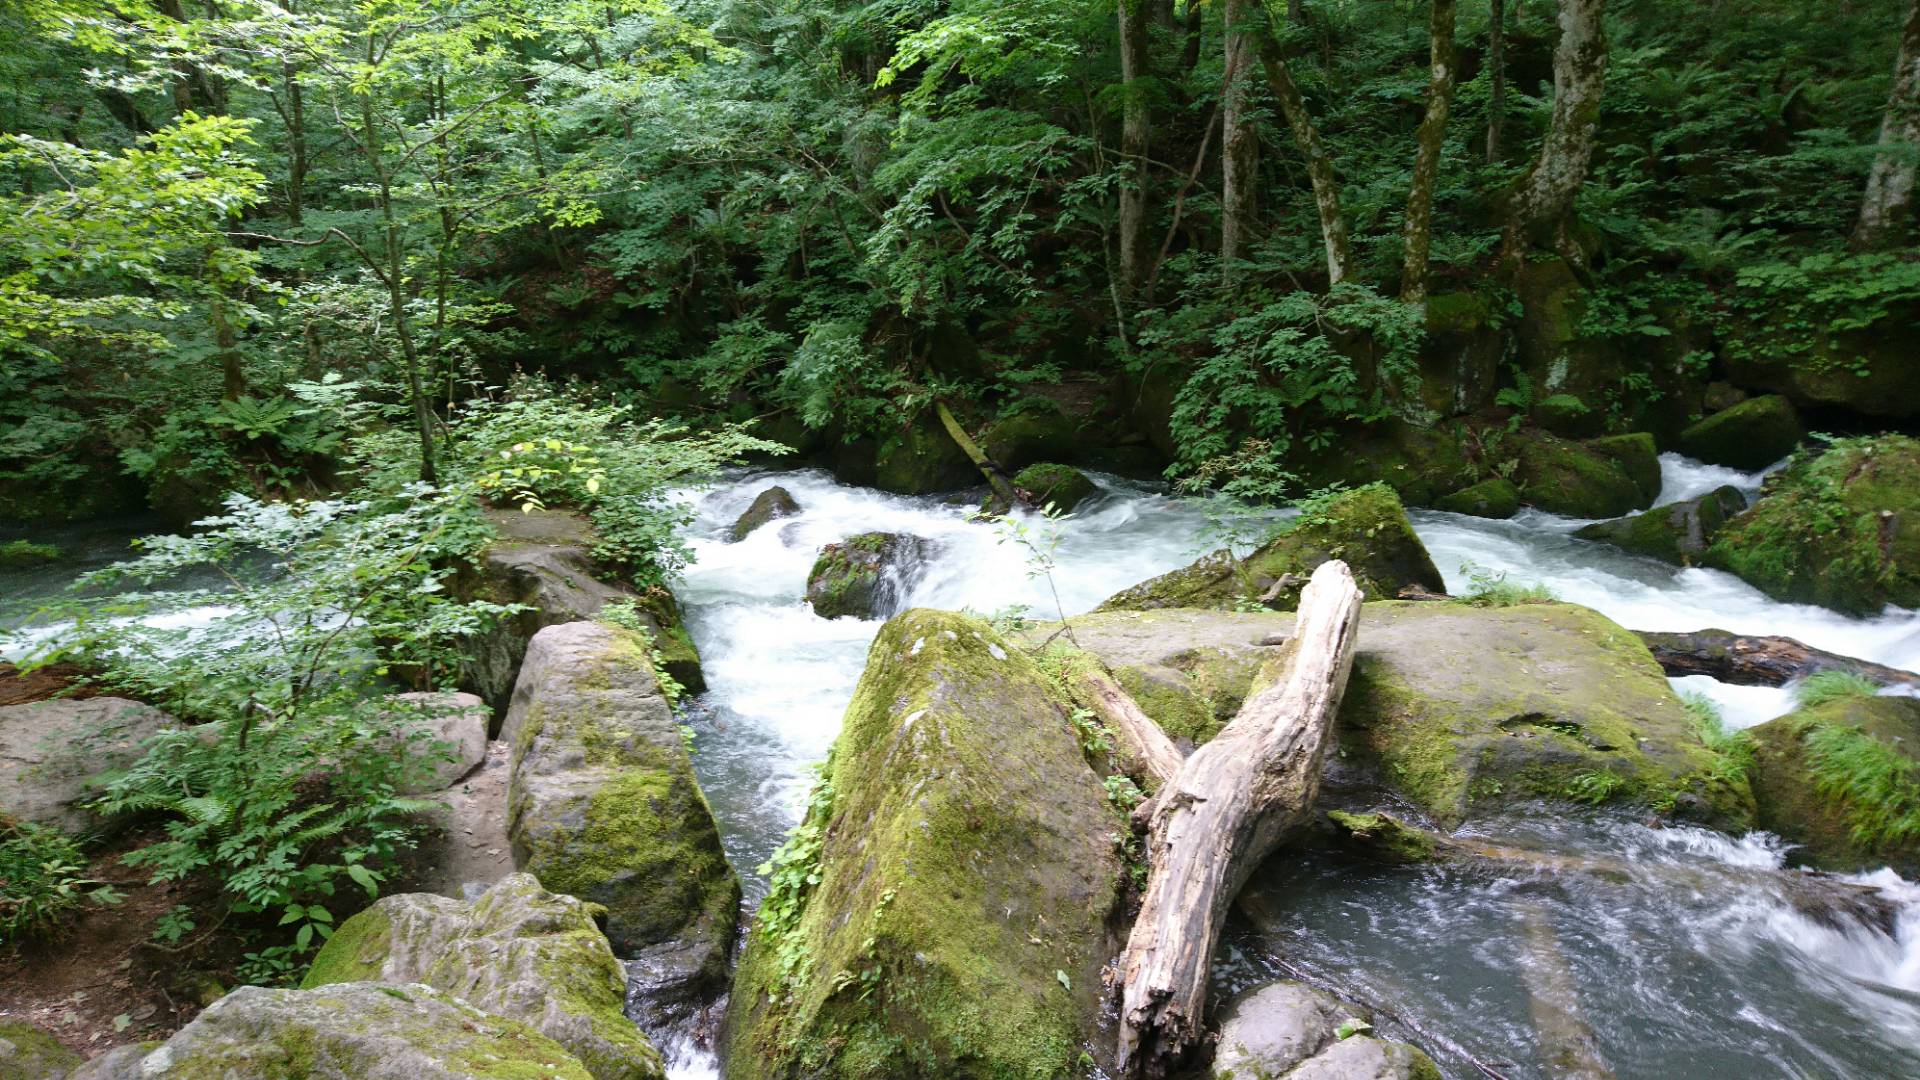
(1878, 786)
(42, 881)
(791, 872)
(1042, 544)
(1489, 588)
(1095, 738)
(1826, 686)
(1732, 749)
(18, 553)
(1594, 786)
(1123, 793)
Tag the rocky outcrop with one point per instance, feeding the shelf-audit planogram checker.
(349, 1031)
(866, 576)
(603, 805)
(50, 750)
(1494, 498)
(1842, 780)
(1061, 486)
(921, 459)
(1366, 526)
(1748, 436)
(28, 1053)
(1603, 478)
(1458, 709)
(1420, 462)
(1867, 370)
(1679, 533)
(520, 952)
(947, 905)
(770, 505)
(447, 732)
(1291, 1031)
(1839, 528)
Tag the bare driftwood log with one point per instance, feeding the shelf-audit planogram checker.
(1226, 809)
(1758, 661)
(1146, 746)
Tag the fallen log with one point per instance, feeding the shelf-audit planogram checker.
(1758, 661)
(1229, 805)
(1005, 495)
(1152, 759)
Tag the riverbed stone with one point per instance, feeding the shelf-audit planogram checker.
(1679, 533)
(1366, 526)
(1291, 1030)
(28, 1053)
(602, 804)
(947, 905)
(1458, 709)
(348, 1031)
(1748, 436)
(1839, 527)
(519, 951)
(50, 751)
(1062, 486)
(865, 576)
(1842, 781)
(1604, 478)
(1491, 498)
(770, 505)
(1420, 462)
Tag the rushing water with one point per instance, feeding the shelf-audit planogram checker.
(1687, 968)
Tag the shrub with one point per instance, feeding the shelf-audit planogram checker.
(42, 881)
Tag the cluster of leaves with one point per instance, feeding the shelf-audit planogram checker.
(43, 881)
(791, 872)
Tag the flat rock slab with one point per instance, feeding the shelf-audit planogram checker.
(49, 750)
(1290, 1031)
(468, 849)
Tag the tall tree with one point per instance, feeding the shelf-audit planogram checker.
(1306, 137)
(1543, 201)
(1496, 75)
(1417, 230)
(1240, 140)
(1136, 126)
(1887, 209)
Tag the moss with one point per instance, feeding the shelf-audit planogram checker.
(1385, 837)
(19, 553)
(1841, 780)
(1063, 486)
(1839, 528)
(1750, 435)
(1031, 436)
(922, 460)
(1494, 498)
(1637, 457)
(355, 953)
(1679, 533)
(1419, 462)
(34, 1054)
(967, 865)
(1576, 479)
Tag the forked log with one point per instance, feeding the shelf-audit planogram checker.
(1232, 802)
(1142, 741)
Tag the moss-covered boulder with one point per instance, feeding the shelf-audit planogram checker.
(1842, 780)
(1061, 486)
(1679, 533)
(922, 459)
(1291, 1031)
(17, 554)
(519, 951)
(1419, 462)
(1459, 709)
(770, 505)
(350, 1031)
(602, 804)
(1750, 435)
(1839, 528)
(947, 905)
(866, 576)
(28, 1053)
(1637, 456)
(1493, 498)
(1868, 370)
(1034, 435)
(1367, 527)
(1583, 480)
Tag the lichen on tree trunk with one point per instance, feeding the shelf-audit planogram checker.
(1418, 228)
(1543, 199)
(1239, 142)
(1887, 209)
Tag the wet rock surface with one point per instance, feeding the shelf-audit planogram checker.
(866, 576)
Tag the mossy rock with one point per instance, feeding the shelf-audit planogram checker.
(1839, 528)
(1679, 533)
(1492, 498)
(1419, 462)
(922, 459)
(1031, 436)
(28, 1053)
(770, 505)
(1637, 456)
(519, 951)
(1833, 777)
(602, 804)
(1580, 480)
(1367, 527)
(1748, 436)
(18, 554)
(866, 576)
(1062, 486)
(1868, 371)
(354, 1031)
(1462, 709)
(965, 890)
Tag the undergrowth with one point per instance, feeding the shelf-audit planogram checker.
(1825, 686)
(1490, 588)
(1879, 786)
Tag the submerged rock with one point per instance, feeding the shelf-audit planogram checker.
(1842, 780)
(770, 505)
(1494, 498)
(1748, 436)
(1290, 1031)
(520, 952)
(1603, 478)
(1459, 709)
(1063, 486)
(349, 1031)
(1366, 526)
(602, 804)
(1680, 533)
(1839, 528)
(51, 750)
(28, 1053)
(948, 903)
(865, 576)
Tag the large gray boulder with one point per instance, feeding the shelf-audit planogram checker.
(349, 1031)
(520, 952)
(449, 730)
(50, 750)
(602, 804)
(1291, 1030)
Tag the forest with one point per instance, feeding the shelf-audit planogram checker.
(930, 538)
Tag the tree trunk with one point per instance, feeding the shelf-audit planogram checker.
(1497, 68)
(1151, 756)
(1135, 129)
(1418, 228)
(1758, 661)
(393, 275)
(1239, 142)
(1887, 209)
(1230, 805)
(1003, 490)
(1543, 201)
(1326, 189)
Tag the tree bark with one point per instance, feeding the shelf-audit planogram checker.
(1432, 137)
(1136, 125)
(1239, 141)
(1151, 756)
(1003, 489)
(1543, 201)
(1497, 68)
(1758, 661)
(1230, 805)
(1326, 189)
(1887, 209)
